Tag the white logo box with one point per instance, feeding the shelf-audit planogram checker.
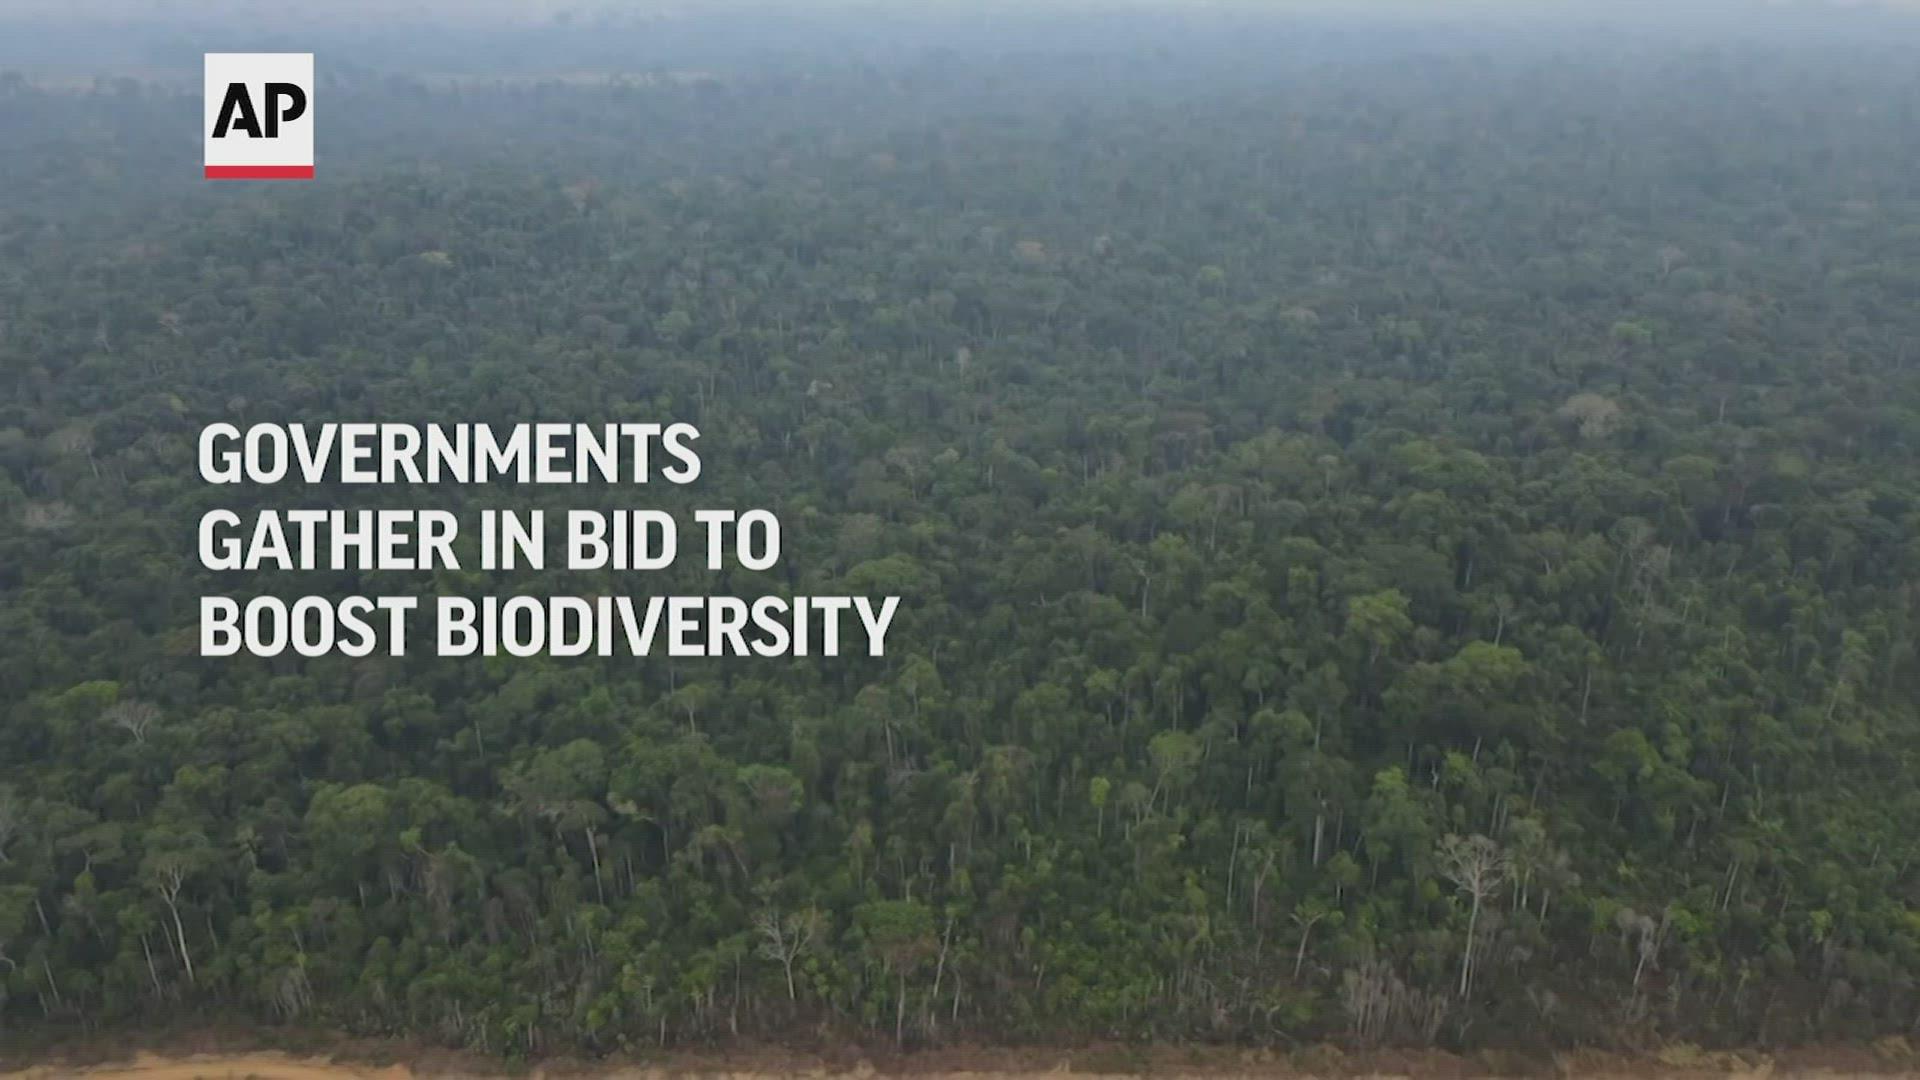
(259, 116)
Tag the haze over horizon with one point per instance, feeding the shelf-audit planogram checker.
(428, 37)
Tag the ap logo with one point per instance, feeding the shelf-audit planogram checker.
(259, 116)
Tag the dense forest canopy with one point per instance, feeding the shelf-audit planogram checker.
(1407, 536)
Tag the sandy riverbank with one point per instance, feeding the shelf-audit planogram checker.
(1881, 1062)
(214, 1067)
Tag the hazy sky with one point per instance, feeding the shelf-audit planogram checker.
(152, 38)
(543, 10)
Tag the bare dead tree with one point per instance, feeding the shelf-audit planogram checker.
(785, 939)
(1477, 866)
(169, 877)
(1645, 935)
(132, 717)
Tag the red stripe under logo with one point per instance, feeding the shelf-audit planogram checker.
(259, 172)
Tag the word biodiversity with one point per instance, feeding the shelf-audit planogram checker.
(679, 626)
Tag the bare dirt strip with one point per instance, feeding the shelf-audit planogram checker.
(378, 1063)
